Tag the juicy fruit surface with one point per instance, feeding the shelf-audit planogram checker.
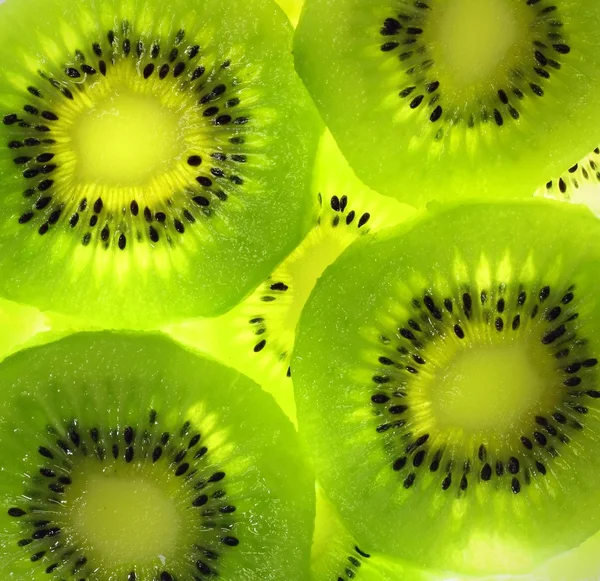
(142, 157)
(466, 98)
(115, 468)
(395, 412)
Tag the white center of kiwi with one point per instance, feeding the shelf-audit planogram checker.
(475, 37)
(492, 388)
(122, 517)
(126, 139)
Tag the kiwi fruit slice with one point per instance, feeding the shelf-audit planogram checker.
(155, 158)
(128, 457)
(257, 336)
(451, 393)
(461, 98)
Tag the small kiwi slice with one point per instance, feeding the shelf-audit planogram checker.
(127, 457)
(451, 392)
(439, 99)
(152, 156)
(257, 336)
(578, 184)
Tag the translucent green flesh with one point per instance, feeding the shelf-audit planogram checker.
(156, 469)
(161, 170)
(364, 388)
(424, 110)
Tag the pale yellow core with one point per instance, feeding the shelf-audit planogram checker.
(488, 387)
(475, 36)
(126, 139)
(123, 519)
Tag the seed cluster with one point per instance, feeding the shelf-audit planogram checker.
(351, 566)
(586, 171)
(49, 202)
(505, 312)
(404, 35)
(181, 452)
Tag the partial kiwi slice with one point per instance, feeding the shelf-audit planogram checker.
(152, 156)
(337, 557)
(579, 184)
(292, 8)
(430, 99)
(446, 381)
(257, 336)
(127, 457)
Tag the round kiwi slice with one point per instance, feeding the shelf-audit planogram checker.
(454, 98)
(154, 156)
(257, 336)
(127, 457)
(451, 392)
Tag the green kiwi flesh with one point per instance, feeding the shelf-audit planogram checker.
(454, 98)
(155, 156)
(257, 336)
(450, 392)
(128, 457)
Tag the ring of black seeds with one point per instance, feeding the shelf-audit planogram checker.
(403, 37)
(180, 451)
(212, 178)
(405, 352)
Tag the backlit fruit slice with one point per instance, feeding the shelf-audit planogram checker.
(127, 457)
(454, 98)
(153, 156)
(446, 379)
